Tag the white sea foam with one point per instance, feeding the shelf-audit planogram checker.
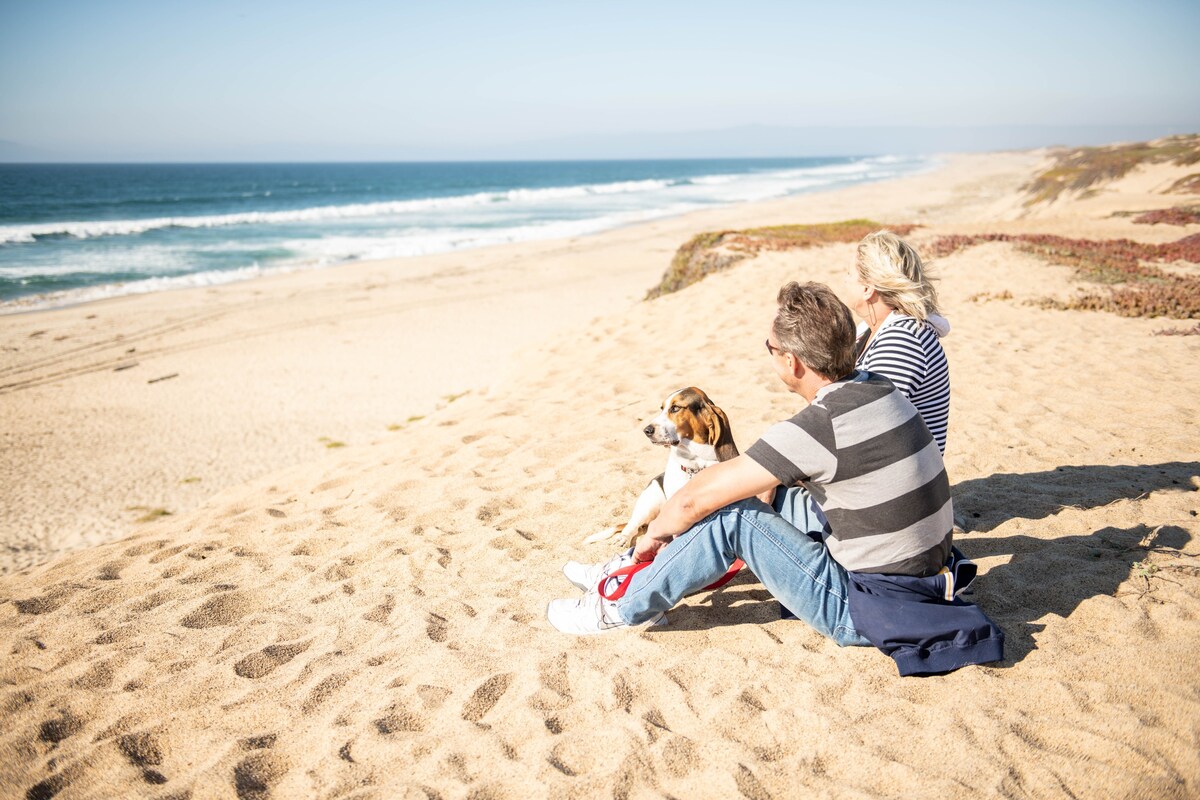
(421, 242)
(11, 234)
(329, 250)
(143, 286)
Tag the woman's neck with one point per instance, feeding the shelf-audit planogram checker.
(877, 313)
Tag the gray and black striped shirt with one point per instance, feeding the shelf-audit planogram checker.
(864, 453)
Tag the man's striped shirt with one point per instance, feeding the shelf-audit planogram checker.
(907, 352)
(868, 460)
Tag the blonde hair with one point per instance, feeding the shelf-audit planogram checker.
(893, 268)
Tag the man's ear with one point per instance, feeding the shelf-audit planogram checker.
(797, 366)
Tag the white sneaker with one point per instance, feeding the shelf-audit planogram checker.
(587, 576)
(591, 614)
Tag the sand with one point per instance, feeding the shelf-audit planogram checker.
(367, 621)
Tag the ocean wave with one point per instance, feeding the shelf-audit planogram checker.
(714, 180)
(87, 294)
(331, 250)
(717, 188)
(422, 242)
(399, 229)
(17, 234)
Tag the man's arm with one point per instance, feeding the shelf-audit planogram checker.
(714, 488)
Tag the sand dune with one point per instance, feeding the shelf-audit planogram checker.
(370, 623)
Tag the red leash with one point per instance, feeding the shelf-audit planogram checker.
(625, 573)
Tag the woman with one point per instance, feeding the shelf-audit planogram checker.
(890, 290)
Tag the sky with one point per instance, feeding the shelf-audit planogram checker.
(360, 79)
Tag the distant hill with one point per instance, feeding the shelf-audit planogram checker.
(744, 141)
(762, 141)
(16, 152)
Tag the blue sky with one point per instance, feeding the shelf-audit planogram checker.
(203, 80)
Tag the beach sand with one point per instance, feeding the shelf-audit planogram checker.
(368, 620)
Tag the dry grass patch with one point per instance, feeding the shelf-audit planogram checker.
(1135, 289)
(1080, 169)
(713, 251)
(150, 514)
(1179, 215)
(1192, 331)
(1188, 184)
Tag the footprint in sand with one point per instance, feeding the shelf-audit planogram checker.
(48, 788)
(484, 698)
(681, 756)
(263, 742)
(267, 660)
(382, 611)
(435, 627)
(98, 676)
(432, 696)
(53, 731)
(164, 554)
(554, 676)
(397, 719)
(324, 690)
(254, 775)
(145, 547)
(144, 751)
(111, 571)
(50, 601)
(224, 609)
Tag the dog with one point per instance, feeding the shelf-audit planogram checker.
(698, 435)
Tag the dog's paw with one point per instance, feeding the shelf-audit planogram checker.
(603, 535)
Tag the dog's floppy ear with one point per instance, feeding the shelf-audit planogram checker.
(720, 435)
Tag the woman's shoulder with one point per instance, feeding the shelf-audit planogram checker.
(906, 328)
(908, 338)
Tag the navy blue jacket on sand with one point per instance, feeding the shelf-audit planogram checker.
(921, 622)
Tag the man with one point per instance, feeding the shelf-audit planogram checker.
(881, 571)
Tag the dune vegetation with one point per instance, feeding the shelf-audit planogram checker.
(713, 251)
(1080, 169)
(1179, 215)
(1134, 287)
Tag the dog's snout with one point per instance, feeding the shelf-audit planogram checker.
(648, 430)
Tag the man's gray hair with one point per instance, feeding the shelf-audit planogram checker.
(816, 327)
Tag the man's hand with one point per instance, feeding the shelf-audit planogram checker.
(646, 547)
(648, 544)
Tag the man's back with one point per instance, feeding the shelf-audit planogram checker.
(873, 467)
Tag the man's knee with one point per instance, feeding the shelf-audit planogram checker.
(751, 505)
(728, 521)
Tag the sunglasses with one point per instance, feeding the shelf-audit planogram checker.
(772, 349)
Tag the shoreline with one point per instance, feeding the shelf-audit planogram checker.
(546, 230)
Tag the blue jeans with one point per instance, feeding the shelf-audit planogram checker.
(796, 569)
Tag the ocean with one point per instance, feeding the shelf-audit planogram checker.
(76, 232)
